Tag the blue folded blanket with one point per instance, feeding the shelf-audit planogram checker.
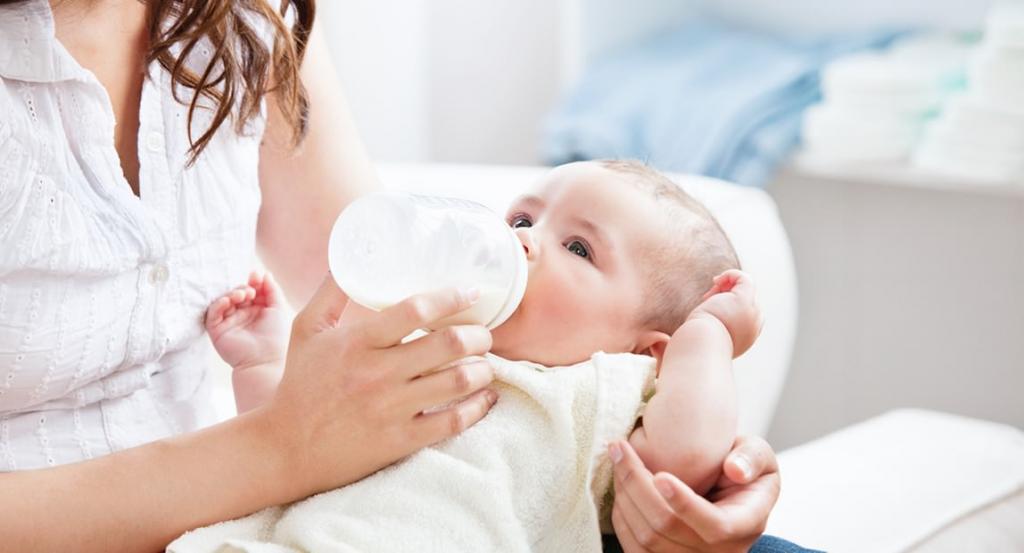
(704, 99)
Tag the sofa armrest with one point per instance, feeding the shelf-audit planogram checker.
(896, 480)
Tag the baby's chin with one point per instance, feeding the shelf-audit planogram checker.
(527, 338)
(543, 350)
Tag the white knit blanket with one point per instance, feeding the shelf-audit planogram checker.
(531, 476)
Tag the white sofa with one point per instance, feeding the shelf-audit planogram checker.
(910, 480)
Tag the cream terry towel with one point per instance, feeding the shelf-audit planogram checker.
(531, 476)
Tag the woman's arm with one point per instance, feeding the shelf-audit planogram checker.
(304, 190)
(142, 498)
(351, 401)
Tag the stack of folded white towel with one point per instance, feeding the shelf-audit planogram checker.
(980, 133)
(876, 105)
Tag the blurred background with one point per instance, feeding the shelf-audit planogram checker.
(889, 134)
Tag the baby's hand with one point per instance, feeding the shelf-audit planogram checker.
(732, 301)
(247, 325)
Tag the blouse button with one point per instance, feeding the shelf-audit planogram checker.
(159, 274)
(154, 142)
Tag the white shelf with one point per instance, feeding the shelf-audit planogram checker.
(899, 175)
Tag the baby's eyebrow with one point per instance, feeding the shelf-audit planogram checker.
(529, 199)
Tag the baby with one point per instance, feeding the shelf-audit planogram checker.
(629, 278)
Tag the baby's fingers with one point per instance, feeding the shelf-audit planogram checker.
(737, 282)
(268, 293)
(255, 280)
(242, 294)
(216, 312)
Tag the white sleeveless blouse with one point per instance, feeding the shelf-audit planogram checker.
(102, 293)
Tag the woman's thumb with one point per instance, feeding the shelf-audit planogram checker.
(324, 308)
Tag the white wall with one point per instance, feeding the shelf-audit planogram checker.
(380, 50)
(494, 72)
(448, 80)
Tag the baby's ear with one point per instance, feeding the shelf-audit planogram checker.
(653, 343)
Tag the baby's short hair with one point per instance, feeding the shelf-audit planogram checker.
(681, 269)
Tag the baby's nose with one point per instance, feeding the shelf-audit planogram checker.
(530, 246)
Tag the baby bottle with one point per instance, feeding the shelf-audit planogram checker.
(388, 246)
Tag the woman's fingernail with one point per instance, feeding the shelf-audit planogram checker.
(471, 295)
(744, 465)
(492, 397)
(615, 452)
(665, 489)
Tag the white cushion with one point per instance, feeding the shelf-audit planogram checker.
(747, 215)
(895, 481)
(997, 528)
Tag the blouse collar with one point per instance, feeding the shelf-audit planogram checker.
(29, 50)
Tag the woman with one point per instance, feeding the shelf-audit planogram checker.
(132, 139)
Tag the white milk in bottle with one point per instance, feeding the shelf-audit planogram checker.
(388, 246)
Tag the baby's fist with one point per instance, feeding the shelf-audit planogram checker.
(732, 301)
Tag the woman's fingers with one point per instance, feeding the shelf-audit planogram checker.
(398, 321)
(751, 457)
(672, 514)
(323, 310)
(453, 382)
(693, 511)
(435, 426)
(678, 512)
(636, 484)
(441, 348)
(641, 531)
(624, 532)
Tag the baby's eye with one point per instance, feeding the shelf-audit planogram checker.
(579, 248)
(520, 221)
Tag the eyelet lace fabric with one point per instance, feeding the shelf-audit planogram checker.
(102, 293)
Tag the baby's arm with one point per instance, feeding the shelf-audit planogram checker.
(248, 328)
(689, 425)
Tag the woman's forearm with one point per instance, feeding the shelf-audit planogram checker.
(142, 498)
(255, 385)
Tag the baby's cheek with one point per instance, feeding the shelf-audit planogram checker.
(570, 303)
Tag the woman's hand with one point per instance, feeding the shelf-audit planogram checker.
(353, 396)
(660, 513)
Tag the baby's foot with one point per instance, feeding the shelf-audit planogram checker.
(732, 301)
(247, 325)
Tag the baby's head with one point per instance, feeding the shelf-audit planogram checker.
(618, 255)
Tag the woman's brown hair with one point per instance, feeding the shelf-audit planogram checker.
(245, 62)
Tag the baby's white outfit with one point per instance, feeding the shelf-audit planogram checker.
(533, 475)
